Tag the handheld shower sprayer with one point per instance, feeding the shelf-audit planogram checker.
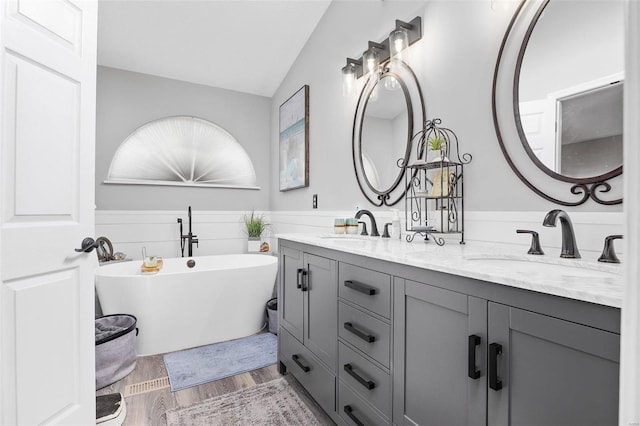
(181, 239)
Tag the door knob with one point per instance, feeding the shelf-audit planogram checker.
(88, 244)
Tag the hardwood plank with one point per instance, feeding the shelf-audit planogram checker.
(149, 409)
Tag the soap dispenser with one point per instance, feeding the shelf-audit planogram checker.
(396, 230)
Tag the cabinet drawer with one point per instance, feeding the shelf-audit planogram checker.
(354, 410)
(372, 383)
(355, 284)
(365, 332)
(317, 380)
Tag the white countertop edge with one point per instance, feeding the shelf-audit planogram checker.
(466, 261)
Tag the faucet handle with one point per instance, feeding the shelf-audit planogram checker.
(385, 234)
(608, 253)
(364, 228)
(535, 241)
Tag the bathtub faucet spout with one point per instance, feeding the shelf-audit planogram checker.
(188, 239)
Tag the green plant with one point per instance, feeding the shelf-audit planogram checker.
(255, 225)
(437, 143)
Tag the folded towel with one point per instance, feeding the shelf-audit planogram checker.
(103, 331)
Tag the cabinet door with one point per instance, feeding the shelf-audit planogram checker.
(321, 308)
(551, 371)
(291, 294)
(435, 356)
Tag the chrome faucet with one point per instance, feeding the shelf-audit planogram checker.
(569, 247)
(374, 227)
(190, 239)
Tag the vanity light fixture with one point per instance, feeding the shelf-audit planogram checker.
(371, 58)
(398, 42)
(390, 83)
(350, 73)
(377, 54)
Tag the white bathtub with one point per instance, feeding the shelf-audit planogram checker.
(221, 298)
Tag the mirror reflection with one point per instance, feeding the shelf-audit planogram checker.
(384, 133)
(570, 88)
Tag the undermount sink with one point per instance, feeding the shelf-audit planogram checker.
(346, 238)
(538, 265)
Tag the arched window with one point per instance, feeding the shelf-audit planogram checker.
(182, 151)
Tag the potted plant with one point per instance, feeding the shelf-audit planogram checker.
(438, 144)
(255, 226)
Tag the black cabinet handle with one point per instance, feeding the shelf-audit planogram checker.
(362, 288)
(473, 342)
(296, 359)
(364, 336)
(301, 275)
(364, 382)
(349, 412)
(495, 383)
(305, 282)
(298, 280)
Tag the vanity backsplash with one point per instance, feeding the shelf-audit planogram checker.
(591, 228)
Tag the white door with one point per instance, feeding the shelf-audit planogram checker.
(47, 142)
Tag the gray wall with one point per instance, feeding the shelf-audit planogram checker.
(127, 100)
(454, 62)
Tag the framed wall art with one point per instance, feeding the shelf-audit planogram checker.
(294, 141)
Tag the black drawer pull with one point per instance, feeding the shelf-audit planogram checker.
(355, 285)
(296, 359)
(495, 383)
(349, 412)
(364, 382)
(364, 336)
(473, 342)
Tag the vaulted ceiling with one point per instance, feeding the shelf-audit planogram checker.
(242, 45)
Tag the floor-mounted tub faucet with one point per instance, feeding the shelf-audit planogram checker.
(374, 227)
(189, 239)
(569, 247)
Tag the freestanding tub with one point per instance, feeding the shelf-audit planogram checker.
(220, 298)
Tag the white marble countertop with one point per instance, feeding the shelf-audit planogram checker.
(580, 279)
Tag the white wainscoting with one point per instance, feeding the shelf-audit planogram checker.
(221, 232)
(590, 230)
(218, 232)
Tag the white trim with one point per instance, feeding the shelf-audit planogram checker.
(630, 327)
(170, 183)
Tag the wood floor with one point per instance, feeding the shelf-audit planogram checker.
(148, 409)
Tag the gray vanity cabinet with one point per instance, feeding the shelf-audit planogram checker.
(290, 294)
(439, 340)
(309, 302)
(550, 371)
(375, 342)
(307, 345)
(463, 360)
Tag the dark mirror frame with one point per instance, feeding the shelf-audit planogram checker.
(585, 188)
(396, 191)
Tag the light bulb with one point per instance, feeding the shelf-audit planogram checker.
(348, 79)
(398, 41)
(390, 83)
(371, 60)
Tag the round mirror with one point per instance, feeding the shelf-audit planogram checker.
(557, 99)
(569, 93)
(382, 130)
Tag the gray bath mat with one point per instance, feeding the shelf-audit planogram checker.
(272, 403)
(194, 367)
